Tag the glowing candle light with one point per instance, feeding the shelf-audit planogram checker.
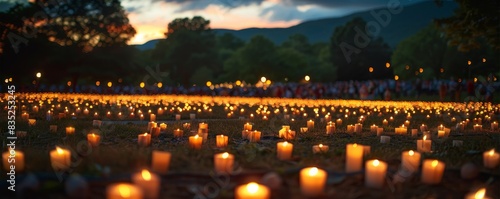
(160, 161)
(252, 190)
(223, 163)
(410, 160)
(93, 139)
(221, 141)
(144, 139)
(312, 181)
(123, 191)
(432, 171)
(195, 141)
(320, 148)
(479, 194)
(424, 145)
(354, 158)
(284, 150)
(70, 130)
(491, 159)
(310, 124)
(375, 172)
(60, 159)
(13, 160)
(148, 182)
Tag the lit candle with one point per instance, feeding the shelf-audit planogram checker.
(245, 133)
(423, 128)
(491, 159)
(414, 132)
(289, 135)
(160, 161)
(123, 191)
(432, 171)
(320, 148)
(13, 158)
(247, 126)
(310, 124)
(32, 122)
(330, 128)
(407, 123)
(410, 160)
(354, 158)
(144, 139)
(35, 109)
(494, 125)
(60, 159)
(254, 136)
(373, 128)
(479, 194)
(478, 127)
(350, 128)
(195, 141)
(284, 151)
(48, 116)
(163, 126)
(203, 125)
(312, 181)
(223, 163)
(155, 131)
(86, 111)
(186, 125)
(358, 127)
(152, 125)
(93, 139)
(385, 122)
(177, 117)
(339, 122)
(25, 116)
(70, 130)
(375, 171)
(303, 129)
(152, 117)
(424, 145)
(380, 130)
(221, 141)
(178, 133)
(252, 190)
(148, 182)
(440, 133)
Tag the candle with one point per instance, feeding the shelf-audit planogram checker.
(414, 132)
(491, 159)
(375, 171)
(247, 126)
(407, 123)
(385, 122)
(32, 122)
(312, 181)
(13, 160)
(478, 127)
(424, 145)
(310, 124)
(440, 133)
(177, 117)
(284, 151)
(354, 158)
(152, 125)
(53, 128)
(339, 122)
(163, 126)
(160, 111)
(303, 129)
(60, 159)
(93, 139)
(479, 194)
(192, 116)
(25, 116)
(380, 130)
(35, 109)
(62, 115)
(178, 133)
(358, 127)
(152, 117)
(252, 190)
(195, 141)
(432, 171)
(123, 191)
(144, 139)
(48, 116)
(373, 128)
(221, 141)
(203, 126)
(494, 125)
(330, 128)
(148, 182)
(410, 160)
(223, 163)
(160, 161)
(70, 130)
(385, 139)
(320, 148)
(245, 133)
(283, 130)
(254, 136)
(423, 128)
(289, 135)
(186, 125)
(350, 128)
(86, 111)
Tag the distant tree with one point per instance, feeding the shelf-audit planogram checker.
(229, 41)
(353, 51)
(473, 21)
(428, 50)
(189, 45)
(298, 42)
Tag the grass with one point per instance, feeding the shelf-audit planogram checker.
(119, 154)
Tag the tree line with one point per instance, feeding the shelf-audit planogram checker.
(86, 41)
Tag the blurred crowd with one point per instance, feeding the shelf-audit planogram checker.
(447, 90)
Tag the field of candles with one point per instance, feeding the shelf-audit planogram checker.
(168, 146)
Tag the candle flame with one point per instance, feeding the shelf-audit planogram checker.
(59, 150)
(313, 171)
(425, 137)
(225, 155)
(376, 162)
(196, 136)
(285, 143)
(434, 163)
(146, 175)
(411, 153)
(355, 145)
(320, 145)
(124, 191)
(491, 152)
(145, 134)
(480, 194)
(252, 187)
(93, 135)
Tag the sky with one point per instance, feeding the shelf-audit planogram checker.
(151, 17)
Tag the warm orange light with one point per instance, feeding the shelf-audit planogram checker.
(225, 155)
(124, 191)
(252, 187)
(411, 153)
(59, 150)
(434, 163)
(146, 175)
(376, 163)
(480, 193)
(313, 171)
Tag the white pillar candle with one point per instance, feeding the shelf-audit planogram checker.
(385, 122)
(423, 128)
(494, 125)
(203, 125)
(339, 122)
(354, 158)
(13, 160)
(312, 181)
(320, 148)
(330, 128)
(375, 172)
(252, 190)
(123, 191)
(380, 130)
(144, 139)
(247, 126)
(186, 125)
(60, 159)
(148, 182)
(178, 133)
(221, 141)
(478, 127)
(424, 145)
(441, 133)
(155, 131)
(410, 160)
(163, 126)
(160, 161)
(432, 171)
(310, 124)
(254, 136)
(48, 116)
(284, 150)
(384, 139)
(491, 159)
(223, 163)
(358, 127)
(195, 141)
(152, 125)
(70, 130)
